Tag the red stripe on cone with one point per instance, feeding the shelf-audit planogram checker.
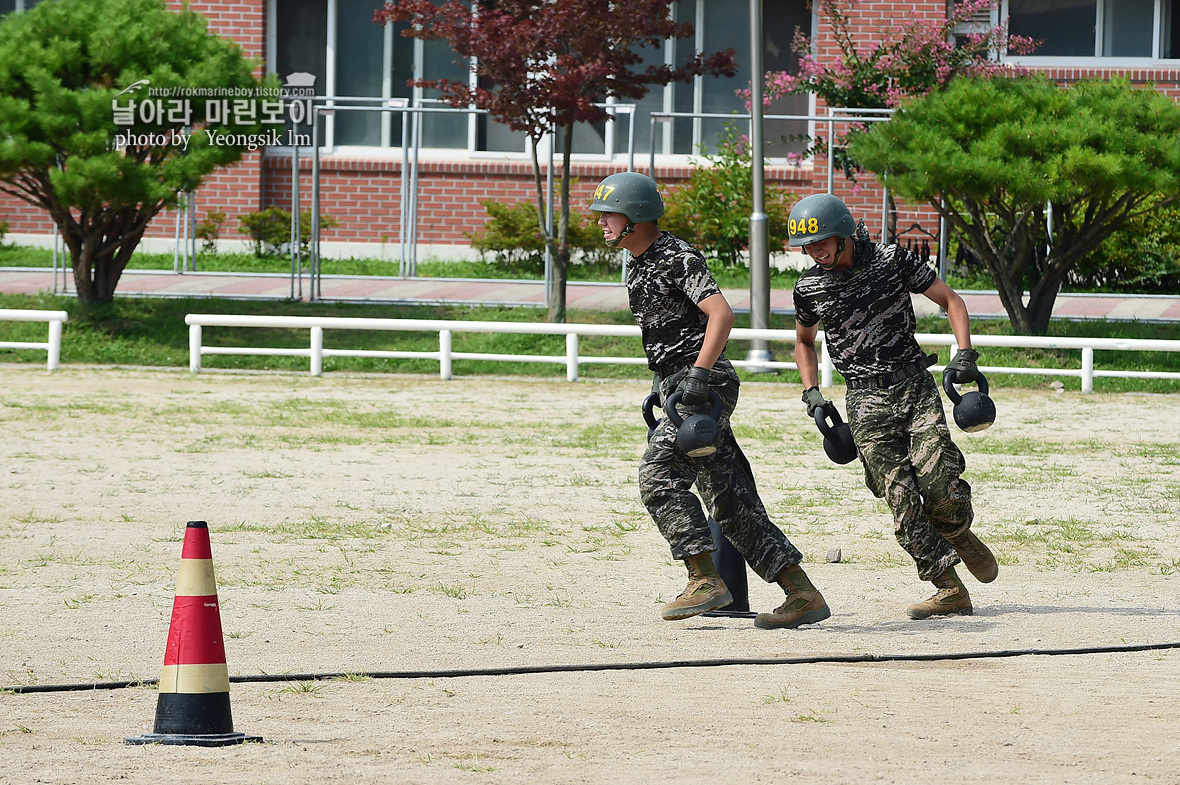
(196, 542)
(195, 638)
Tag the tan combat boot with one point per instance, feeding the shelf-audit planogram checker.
(950, 599)
(705, 591)
(976, 556)
(804, 605)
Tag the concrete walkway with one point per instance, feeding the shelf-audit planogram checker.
(592, 296)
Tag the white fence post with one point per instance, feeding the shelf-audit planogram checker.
(317, 351)
(571, 357)
(54, 344)
(444, 354)
(194, 348)
(1087, 370)
(826, 367)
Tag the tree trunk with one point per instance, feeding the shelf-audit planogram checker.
(100, 249)
(558, 248)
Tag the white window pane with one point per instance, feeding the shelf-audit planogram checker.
(300, 38)
(1170, 32)
(780, 20)
(727, 26)
(1127, 28)
(442, 130)
(359, 48)
(1066, 27)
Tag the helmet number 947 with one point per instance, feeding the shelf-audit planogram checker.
(804, 226)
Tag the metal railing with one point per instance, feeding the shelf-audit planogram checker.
(572, 359)
(52, 346)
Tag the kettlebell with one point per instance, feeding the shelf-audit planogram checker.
(696, 435)
(838, 442)
(973, 411)
(649, 416)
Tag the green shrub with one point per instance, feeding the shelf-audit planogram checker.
(1141, 257)
(269, 230)
(513, 240)
(3, 231)
(712, 210)
(209, 230)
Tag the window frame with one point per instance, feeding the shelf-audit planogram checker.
(1097, 59)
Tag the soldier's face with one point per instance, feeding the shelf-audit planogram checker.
(613, 225)
(823, 253)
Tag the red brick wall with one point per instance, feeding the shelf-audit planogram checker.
(238, 189)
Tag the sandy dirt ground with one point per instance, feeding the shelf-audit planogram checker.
(472, 555)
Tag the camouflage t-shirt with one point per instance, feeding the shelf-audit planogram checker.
(664, 285)
(866, 310)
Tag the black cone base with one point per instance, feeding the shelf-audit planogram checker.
(193, 719)
(193, 740)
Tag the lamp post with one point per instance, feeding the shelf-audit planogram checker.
(759, 230)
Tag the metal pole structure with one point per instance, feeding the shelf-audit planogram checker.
(192, 220)
(759, 229)
(549, 260)
(296, 226)
(314, 250)
(944, 246)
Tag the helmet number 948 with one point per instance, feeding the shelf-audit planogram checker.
(804, 226)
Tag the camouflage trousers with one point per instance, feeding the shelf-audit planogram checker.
(725, 482)
(910, 460)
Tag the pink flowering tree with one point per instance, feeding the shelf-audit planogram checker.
(911, 59)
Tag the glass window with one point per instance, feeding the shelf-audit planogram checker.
(778, 33)
(7, 6)
(447, 131)
(301, 42)
(1066, 27)
(360, 55)
(1127, 28)
(726, 26)
(1170, 30)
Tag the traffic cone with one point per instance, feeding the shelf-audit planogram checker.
(193, 705)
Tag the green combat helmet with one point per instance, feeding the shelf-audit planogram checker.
(632, 194)
(818, 217)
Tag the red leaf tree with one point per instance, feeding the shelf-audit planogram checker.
(550, 64)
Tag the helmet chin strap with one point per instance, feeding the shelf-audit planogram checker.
(839, 248)
(628, 230)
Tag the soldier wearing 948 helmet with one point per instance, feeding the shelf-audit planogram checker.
(685, 321)
(860, 291)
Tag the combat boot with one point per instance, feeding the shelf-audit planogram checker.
(705, 591)
(950, 599)
(976, 556)
(804, 605)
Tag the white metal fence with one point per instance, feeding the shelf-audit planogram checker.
(52, 346)
(572, 360)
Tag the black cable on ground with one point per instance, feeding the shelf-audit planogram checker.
(821, 659)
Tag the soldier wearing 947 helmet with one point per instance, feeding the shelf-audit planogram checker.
(860, 291)
(685, 322)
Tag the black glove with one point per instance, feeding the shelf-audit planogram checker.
(815, 400)
(963, 364)
(694, 387)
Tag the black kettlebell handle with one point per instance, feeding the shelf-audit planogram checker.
(649, 415)
(677, 420)
(829, 431)
(948, 385)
